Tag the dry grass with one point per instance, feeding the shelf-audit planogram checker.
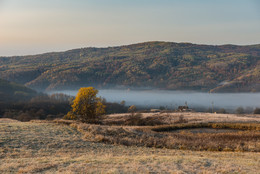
(185, 140)
(36, 147)
(8, 120)
(191, 117)
(235, 126)
(246, 139)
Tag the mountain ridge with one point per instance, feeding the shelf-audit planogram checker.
(126, 45)
(162, 65)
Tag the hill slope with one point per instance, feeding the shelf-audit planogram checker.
(10, 91)
(161, 65)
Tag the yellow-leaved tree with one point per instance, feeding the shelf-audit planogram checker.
(87, 107)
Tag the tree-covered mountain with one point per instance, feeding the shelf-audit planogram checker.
(10, 91)
(161, 65)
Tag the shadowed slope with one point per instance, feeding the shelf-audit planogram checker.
(10, 91)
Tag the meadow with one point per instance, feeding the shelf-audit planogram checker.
(61, 146)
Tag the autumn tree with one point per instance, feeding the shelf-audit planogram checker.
(87, 107)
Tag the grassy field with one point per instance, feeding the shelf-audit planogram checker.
(191, 117)
(38, 147)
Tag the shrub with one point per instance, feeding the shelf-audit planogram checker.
(181, 120)
(138, 120)
(24, 117)
(240, 110)
(222, 111)
(257, 111)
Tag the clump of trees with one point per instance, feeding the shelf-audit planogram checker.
(257, 111)
(41, 107)
(113, 107)
(87, 107)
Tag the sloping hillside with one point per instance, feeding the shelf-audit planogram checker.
(10, 91)
(161, 65)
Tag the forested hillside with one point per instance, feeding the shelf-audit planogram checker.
(161, 65)
(10, 91)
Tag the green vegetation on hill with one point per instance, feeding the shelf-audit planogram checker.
(161, 65)
(10, 91)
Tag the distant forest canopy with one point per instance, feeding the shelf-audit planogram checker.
(160, 65)
(13, 92)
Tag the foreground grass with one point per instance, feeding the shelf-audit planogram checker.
(246, 136)
(51, 148)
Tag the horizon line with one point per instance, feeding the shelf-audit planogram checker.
(122, 45)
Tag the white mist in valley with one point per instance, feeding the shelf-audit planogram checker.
(172, 99)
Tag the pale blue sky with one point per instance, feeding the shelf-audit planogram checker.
(37, 26)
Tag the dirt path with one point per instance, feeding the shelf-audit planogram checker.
(51, 148)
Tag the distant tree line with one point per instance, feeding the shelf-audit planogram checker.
(41, 107)
(49, 107)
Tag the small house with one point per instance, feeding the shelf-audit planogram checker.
(183, 109)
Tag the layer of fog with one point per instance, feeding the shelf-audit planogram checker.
(173, 99)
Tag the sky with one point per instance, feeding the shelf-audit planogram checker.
(38, 26)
